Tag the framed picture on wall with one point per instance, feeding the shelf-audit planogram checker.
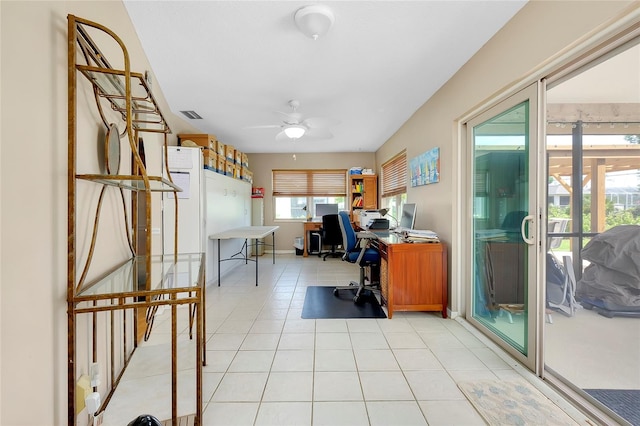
(425, 168)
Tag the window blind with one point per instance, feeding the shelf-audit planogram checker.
(303, 183)
(394, 175)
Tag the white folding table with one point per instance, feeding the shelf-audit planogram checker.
(246, 232)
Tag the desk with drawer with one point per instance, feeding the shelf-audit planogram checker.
(413, 276)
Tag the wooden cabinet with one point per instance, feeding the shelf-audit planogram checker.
(363, 192)
(413, 276)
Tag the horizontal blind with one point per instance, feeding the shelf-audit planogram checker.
(482, 184)
(394, 175)
(303, 183)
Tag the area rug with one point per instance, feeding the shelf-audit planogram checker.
(624, 402)
(319, 302)
(513, 402)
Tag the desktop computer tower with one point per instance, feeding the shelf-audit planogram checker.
(313, 242)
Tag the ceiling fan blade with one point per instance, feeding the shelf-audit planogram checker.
(319, 122)
(265, 126)
(282, 137)
(318, 134)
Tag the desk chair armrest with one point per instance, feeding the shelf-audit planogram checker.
(366, 235)
(364, 240)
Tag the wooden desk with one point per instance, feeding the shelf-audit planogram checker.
(309, 226)
(413, 276)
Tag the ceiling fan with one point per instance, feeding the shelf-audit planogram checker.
(294, 126)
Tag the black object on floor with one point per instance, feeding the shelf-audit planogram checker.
(624, 402)
(319, 302)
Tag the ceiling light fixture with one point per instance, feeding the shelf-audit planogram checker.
(294, 131)
(314, 21)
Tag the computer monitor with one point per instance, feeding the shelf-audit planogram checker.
(408, 217)
(323, 209)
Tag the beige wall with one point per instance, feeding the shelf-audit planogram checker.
(33, 165)
(33, 170)
(262, 164)
(539, 31)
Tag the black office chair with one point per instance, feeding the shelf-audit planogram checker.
(513, 220)
(331, 235)
(357, 250)
(512, 223)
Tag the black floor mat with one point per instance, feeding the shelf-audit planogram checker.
(319, 302)
(625, 402)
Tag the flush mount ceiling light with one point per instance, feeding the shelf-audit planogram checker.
(294, 131)
(314, 21)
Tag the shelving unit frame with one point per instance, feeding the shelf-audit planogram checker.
(128, 95)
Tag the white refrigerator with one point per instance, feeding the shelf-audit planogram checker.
(185, 165)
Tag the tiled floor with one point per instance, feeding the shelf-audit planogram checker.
(267, 366)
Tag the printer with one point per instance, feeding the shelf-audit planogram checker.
(367, 216)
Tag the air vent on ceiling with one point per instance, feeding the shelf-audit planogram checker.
(191, 114)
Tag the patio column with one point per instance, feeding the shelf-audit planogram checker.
(598, 207)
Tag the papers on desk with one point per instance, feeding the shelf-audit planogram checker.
(420, 236)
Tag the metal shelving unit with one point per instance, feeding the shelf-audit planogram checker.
(168, 280)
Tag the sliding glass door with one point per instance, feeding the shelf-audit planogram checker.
(503, 226)
(592, 341)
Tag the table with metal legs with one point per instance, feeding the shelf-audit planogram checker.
(246, 232)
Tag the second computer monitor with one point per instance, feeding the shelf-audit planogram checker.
(323, 209)
(408, 217)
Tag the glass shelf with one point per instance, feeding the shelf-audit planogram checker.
(123, 282)
(111, 85)
(134, 183)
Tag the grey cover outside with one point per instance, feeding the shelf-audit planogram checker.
(613, 276)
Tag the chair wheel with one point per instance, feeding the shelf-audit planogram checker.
(356, 300)
(335, 292)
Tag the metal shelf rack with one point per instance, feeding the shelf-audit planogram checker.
(167, 280)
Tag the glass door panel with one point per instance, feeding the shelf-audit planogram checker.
(504, 194)
(592, 335)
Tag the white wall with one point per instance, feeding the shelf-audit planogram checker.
(228, 205)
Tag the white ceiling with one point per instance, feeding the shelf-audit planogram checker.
(236, 63)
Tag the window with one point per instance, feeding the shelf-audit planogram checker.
(296, 192)
(394, 184)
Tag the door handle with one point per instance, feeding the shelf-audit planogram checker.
(528, 240)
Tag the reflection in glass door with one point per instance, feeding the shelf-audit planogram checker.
(504, 241)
